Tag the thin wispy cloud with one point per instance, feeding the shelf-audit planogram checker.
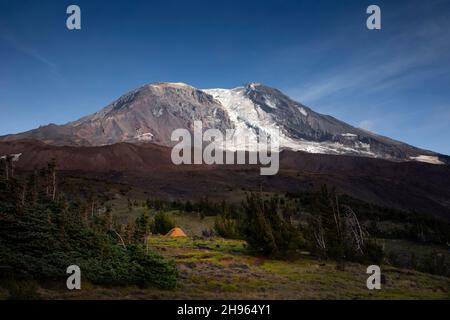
(21, 46)
(368, 75)
(411, 55)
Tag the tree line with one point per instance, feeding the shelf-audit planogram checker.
(43, 231)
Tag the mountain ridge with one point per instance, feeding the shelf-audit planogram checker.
(151, 112)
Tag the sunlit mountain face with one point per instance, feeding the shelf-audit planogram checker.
(152, 112)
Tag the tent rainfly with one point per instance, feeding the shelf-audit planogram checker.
(175, 233)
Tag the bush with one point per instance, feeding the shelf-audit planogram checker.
(227, 227)
(162, 223)
(207, 233)
(435, 263)
(23, 289)
(152, 269)
(40, 237)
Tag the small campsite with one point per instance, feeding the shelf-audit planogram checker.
(218, 268)
(222, 269)
(189, 253)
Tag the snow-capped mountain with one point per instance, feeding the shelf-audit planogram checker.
(257, 108)
(254, 109)
(151, 112)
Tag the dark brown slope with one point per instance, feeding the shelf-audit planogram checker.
(411, 186)
(123, 157)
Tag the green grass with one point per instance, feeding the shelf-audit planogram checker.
(219, 268)
(222, 269)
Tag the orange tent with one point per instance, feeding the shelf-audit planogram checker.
(175, 233)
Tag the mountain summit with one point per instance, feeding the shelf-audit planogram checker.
(151, 112)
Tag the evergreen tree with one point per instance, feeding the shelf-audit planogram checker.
(41, 235)
(267, 226)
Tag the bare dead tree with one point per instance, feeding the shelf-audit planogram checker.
(146, 242)
(11, 165)
(23, 194)
(319, 234)
(3, 164)
(120, 237)
(356, 232)
(8, 161)
(334, 203)
(92, 208)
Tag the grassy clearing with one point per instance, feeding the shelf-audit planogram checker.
(222, 269)
(192, 223)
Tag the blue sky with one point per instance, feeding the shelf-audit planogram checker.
(395, 81)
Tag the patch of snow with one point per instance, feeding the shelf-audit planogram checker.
(175, 84)
(349, 135)
(303, 111)
(253, 85)
(270, 102)
(15, 157)
(144, 137)
(427, 159)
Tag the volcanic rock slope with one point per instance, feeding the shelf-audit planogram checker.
(152, 112)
